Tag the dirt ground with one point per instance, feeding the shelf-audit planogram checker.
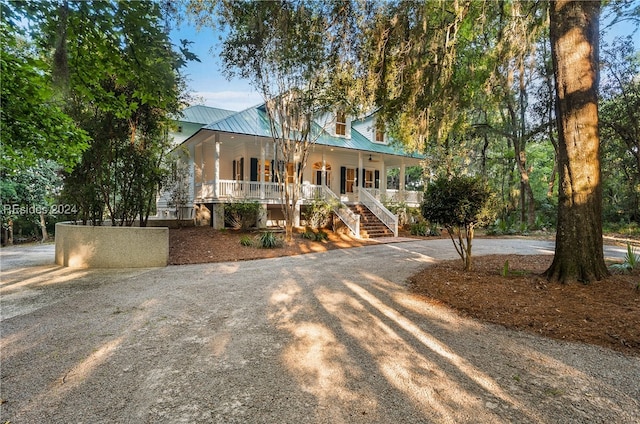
(606, 313)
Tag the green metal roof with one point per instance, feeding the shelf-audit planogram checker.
(204, 115)
(254, 122)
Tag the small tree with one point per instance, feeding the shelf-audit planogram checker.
(459, 204)
(291, 54)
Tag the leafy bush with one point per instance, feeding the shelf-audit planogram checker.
(459, 204)
(246, 241)
(241, 215)
(631, 261)
(269, 240)
(309, 234)
(546, 213)
(394, 207)
(510, 224)
(414, 214)
(419, 228)
(318, 213)
(502, 226)
(321, 236)
(424, 228)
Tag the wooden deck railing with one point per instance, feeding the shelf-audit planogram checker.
(383, 214)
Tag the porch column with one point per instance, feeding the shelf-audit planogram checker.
(359, 175)
(323, 173)
(383, 180)
(263, 157)
(192, 175)
(402, 177)
(216, 166)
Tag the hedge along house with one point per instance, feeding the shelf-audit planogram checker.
(233, 158)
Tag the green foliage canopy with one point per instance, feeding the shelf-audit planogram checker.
(459, 203)
(32, 122)
(619, 113)
(115, 68)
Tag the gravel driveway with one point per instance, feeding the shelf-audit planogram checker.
(330, 337)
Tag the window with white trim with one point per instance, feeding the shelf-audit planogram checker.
(341, 123)
(368, 178)
(379, 131)
(350, 180)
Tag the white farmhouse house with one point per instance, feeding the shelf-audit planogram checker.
(231, 158)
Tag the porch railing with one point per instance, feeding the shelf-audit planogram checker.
(270, 191)
(411, 198)
(231, 189)
(346, 215)
(378, 209)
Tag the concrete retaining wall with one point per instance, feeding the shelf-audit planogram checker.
(81, 246)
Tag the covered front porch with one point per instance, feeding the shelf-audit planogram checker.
(213, 197)
(270, 192)
(236, 160)
(226, 166)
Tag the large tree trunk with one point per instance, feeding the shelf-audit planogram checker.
(574, 43)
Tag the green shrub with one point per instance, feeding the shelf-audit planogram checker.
(246, 240)
(318, 213)
(424, 228)
(625, 228)
(631, 261)
(434, 229)
(321, 236)
(394, 207)
(503, 226)
(459, 204)
(269, 240)
(241, 215)
(419, 228)
(309, 234)
(414, 214)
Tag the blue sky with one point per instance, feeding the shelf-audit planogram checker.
(208, 86)
(205, 79)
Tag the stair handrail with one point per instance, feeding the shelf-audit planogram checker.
(385, 216)
(346, 215)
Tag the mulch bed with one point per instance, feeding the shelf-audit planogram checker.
(605, 313)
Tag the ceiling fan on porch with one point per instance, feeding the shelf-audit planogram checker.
(372, 160)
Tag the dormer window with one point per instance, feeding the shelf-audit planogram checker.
(341, 123)
(379, 137)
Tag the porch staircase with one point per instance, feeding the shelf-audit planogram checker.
(370, 225)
